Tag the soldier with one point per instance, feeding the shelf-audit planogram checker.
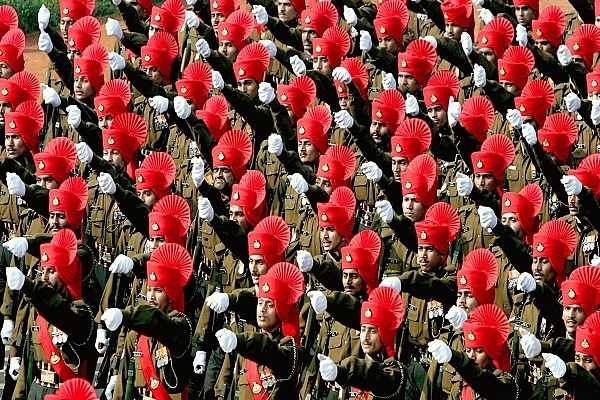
(414, 66)
(329, 49)
(20, 87)
(12, 46)
(10, 20)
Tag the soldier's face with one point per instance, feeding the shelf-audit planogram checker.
(307, 151)
(407, 80)
(542, 270)
(148, 197)
(154, 29)
(321, 64)
(412, 208)
(257, 267)
(5, 71)
(293, 118)
(510, 219)
(429, 257)
(266, 316)
(525, 15)
(222, 177)
(156, 242)
(591, 96)
(46, 181)
(157, 297)
(545, 46)
(308, 34)
(485, 180)
(579, 60)
(370, 341)
(482, 360)
(5, 107)
(83, 89)
(228, 50)
(453, 31)
(573, 316)
(354, 285)
(324, 184)
(216, 18)
(466, 301)
(597, 21)
(379, 131)
(15, 146)
(249, 86)
(438, 115)
(574, 205)
(286, 11)
(330, 239)
(105, 121)
(236, 214)
(155, 76)
(65, 24)
(399, 165)
(114, 158)
(57, 221)
(50, 276)
(344, 102)
(390, 44)
(587, 362)
(510, 87)
(489, 54)
(73, 54)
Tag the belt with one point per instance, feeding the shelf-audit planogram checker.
(45, 376)
(105, 254)
(421, 356)
(146, 394)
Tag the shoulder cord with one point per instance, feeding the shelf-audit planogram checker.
(400, 386)
(89, 310)
(190, 341)
(294, 366)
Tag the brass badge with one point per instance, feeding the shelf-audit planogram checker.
(100, 107)
(379, 114)
(140, 178)
(540, 247)
(155, 226)
(241, 72)
(368, 313)
(446, 16)
(55, 201)
(585, 344)
(522, 108)
(152, 276)
(224, 32)
(507, 203)
(324, 217)
(433, 98)
(283, 96)
(408, 185)
(340, 88)
(576, 46)
(502, 71)
(221, 156)
(77, 69)
(236, 196)
(72, 42)
(256, 244)
(594, 83)
(44, 257)
(348, 257)
(398, 148)
(307, 19)
(265, 288)
(382, 29)
(55, 359)
(41, 165)
(12, 124)
(325, 167)
(423, 235)
(403, 63)
(471, 336)
(4, 91)
(154, 382)
(183, 89)
(147, 57)
(157, 17)
(463, 280)
(546, 143)
(484, 40)
(111, 140)
(215, 4)
(479, 164)
(318, 48)
(571, 294)
(65, 11)
(256, 388)
(538, 32)
(302, 130)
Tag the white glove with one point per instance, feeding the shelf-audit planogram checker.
(341, 74)
(555, 365)
(266, 93)
(115, 61)
(371, 171)
(159, 103)
(440, 351)
(15, 362)
(572, 185)
(121, 265)
(388, 81)
(521, 35)
(260, 13)
(227, 340)
(44, 43)
(467, 43)
(477, 2)
(298, 66)
(203, 48)
(7, 329)
(110, 388)
(454, 110)
(353, 32)
(392, 282)
(595, 262)
(50, 96)
(572, 102)
(18, 246)
(595, 113)
(14, 278)
(113, 28)
(205, 209)
(200, 362)
(365, 43)
(526, 283)
(270, 47)
(191, 20)
(479, 76)
(456, 316)
(431, 40)
(298, 183)
(529, 343)
(43, 17)
(74, 116)
(197, 171)
(217, 80)
(343, 119)
(84, 152)
(464, 184)
(275, 144)
(101, 341)
(106, 183)
(218, 302)
(412, 105)
(15, 184)
(564, 55)
(116, 2)
(182, 108)
(487, 218)
(191, 2)
(529, 134)
(112, 318)
(514, 118)
(304, 260)
(485, 15)
(318, 301)
(350, 16)
(384, 209)
(327, 367)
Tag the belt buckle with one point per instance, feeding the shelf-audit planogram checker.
(47, 377)
(147, 398)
